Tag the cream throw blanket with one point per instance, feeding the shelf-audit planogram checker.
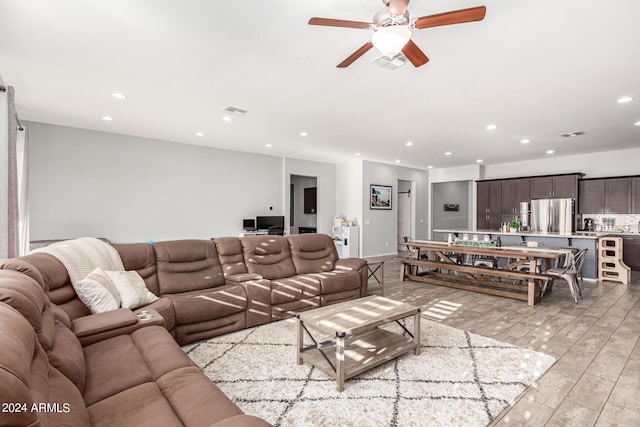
(81, 256)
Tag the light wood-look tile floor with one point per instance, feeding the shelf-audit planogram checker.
(596, 380)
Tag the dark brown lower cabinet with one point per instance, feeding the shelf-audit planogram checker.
(631, 251)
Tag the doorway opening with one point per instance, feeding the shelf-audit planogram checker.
(303, 206)
(406, 212)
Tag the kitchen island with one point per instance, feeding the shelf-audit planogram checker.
(577, 240)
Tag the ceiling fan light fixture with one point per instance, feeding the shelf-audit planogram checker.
(390, 40)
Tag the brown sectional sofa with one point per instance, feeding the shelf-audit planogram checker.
(114, 368)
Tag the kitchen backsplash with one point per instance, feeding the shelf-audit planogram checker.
(620, 220)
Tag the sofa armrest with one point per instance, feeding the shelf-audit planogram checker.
(350, 263)
(243, 277)
(101, 322)
(101, 326)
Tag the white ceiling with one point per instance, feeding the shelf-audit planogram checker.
(535, 68)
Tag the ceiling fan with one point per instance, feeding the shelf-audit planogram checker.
(392, 30)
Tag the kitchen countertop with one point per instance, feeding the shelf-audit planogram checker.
(574, 235)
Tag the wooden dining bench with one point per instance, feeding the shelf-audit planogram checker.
(477, 279)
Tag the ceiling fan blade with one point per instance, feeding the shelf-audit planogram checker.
(355, 55)
(414, 54)
(398, 7)
(454, 17)
(328, 22)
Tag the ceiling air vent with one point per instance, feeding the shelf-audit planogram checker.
(572, 134)
(392, 63)
(235, 111)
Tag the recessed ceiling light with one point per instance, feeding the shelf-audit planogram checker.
(625, 99)
(549, 152)
(637, 123)
(304, 134)
(524, 141)
(199, 134)
(107, 118)
(448, 153)
(356, 154)
(397, 161)
(408, 143)
(492, 127)
(429, 167)
(479, 161)
(227, 118)
(268, 145)
(119, 95)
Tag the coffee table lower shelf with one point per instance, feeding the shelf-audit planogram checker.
(360, 353)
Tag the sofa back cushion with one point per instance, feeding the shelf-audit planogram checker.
(140, 257)
(56, 284)
(187, 265)
(27, 379)
(27, 297)
(231, 255)
(268, 256)
(61, 346)
(312, 253)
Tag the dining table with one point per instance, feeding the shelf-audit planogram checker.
(516, 271)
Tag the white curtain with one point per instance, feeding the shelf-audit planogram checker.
(22, 157)
(17, 220)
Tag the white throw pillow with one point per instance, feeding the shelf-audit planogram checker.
(132, 289)
(97, 292)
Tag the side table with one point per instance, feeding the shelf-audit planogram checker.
(376, 270)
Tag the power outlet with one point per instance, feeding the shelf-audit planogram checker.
(387, 244)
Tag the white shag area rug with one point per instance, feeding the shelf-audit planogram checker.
(459, 379)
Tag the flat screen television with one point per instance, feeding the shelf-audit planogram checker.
(249, 224)
(265, 222)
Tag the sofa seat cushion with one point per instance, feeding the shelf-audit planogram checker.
(140, 405)
(294, 288)
(196, 400)
(125, 361)
(208, 304)
(337, 281)
(181, 397)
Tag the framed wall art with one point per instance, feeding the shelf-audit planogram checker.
(380, 197)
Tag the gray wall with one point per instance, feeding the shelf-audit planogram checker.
(456, 192)
(130, 189)
(380, 227)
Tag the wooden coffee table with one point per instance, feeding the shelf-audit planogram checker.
(359, 344)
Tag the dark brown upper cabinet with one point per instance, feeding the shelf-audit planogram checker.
(617, 195)
(635, 195)
(310, 200)
(489, 205)
(606, 196)
(591, 196)
(556, 187)
(514, 191)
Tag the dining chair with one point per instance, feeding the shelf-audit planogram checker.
(571, 272)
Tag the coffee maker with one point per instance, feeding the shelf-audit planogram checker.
(589, 224)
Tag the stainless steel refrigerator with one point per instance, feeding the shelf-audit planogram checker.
(553, 215)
